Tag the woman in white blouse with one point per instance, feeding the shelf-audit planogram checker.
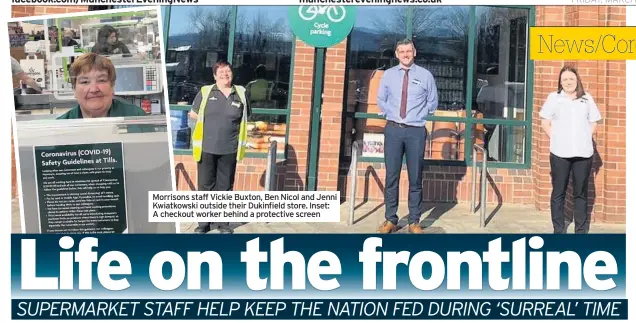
(569, 118)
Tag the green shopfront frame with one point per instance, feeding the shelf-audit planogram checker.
(469, 120)
(166, 11)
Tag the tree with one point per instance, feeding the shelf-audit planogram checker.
(259, 34)
(212, 27)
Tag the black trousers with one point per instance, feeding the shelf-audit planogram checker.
(409, 142)
(560, 172)
(216, 173)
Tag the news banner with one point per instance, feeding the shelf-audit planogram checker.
(311, 276)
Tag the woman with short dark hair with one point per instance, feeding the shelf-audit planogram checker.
(569, 118)
(218, 141)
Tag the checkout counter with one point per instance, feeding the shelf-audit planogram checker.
(93, 175)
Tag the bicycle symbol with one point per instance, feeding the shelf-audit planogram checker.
(334, 13)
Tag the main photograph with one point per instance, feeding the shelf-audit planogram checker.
(399, 108)
(91, 131)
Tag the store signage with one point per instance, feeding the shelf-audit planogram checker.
(81, 188)
(322, 26)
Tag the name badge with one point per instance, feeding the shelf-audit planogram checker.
(416, 82)
(236, 104)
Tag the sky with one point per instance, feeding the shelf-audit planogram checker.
(365, 17)
(179, 21)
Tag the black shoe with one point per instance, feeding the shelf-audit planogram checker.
(202, 229)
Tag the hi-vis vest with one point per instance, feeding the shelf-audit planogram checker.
(197, 135)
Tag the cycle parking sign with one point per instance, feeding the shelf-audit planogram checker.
(322, 26)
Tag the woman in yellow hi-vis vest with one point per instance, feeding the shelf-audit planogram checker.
(218, 141)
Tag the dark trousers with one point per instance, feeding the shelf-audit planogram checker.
(216, 173)
(398, 142)
(560, 172)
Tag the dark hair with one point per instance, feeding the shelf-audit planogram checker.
(106, 30)
(580, 91)
(220, 64)
(102, 39)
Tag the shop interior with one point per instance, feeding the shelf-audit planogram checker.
(46, 49)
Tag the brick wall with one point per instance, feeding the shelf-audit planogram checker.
(300, 118)
(331, 128)
(250, 174)
(28, 11)
(448, 184)
(605, 81)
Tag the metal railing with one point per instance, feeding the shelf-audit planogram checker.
(353, 173)
(270, 172)
(483, 190)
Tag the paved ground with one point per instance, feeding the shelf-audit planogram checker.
(439, 218)
(16, 226)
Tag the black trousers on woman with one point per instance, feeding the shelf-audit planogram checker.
(560, 172)
(216, 173)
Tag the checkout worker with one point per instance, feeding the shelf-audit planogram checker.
(68, 39)
(218, 141)
(93, 80)
(17, 71)
(108, 42)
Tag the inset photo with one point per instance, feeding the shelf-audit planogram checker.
(90, 130)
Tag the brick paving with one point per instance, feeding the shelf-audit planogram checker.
(16, 225)
(437, 218)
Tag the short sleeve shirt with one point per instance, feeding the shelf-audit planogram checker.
(222, 121)
(571, 132)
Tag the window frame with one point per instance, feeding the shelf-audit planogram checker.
(166, 11)
(469, 121)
